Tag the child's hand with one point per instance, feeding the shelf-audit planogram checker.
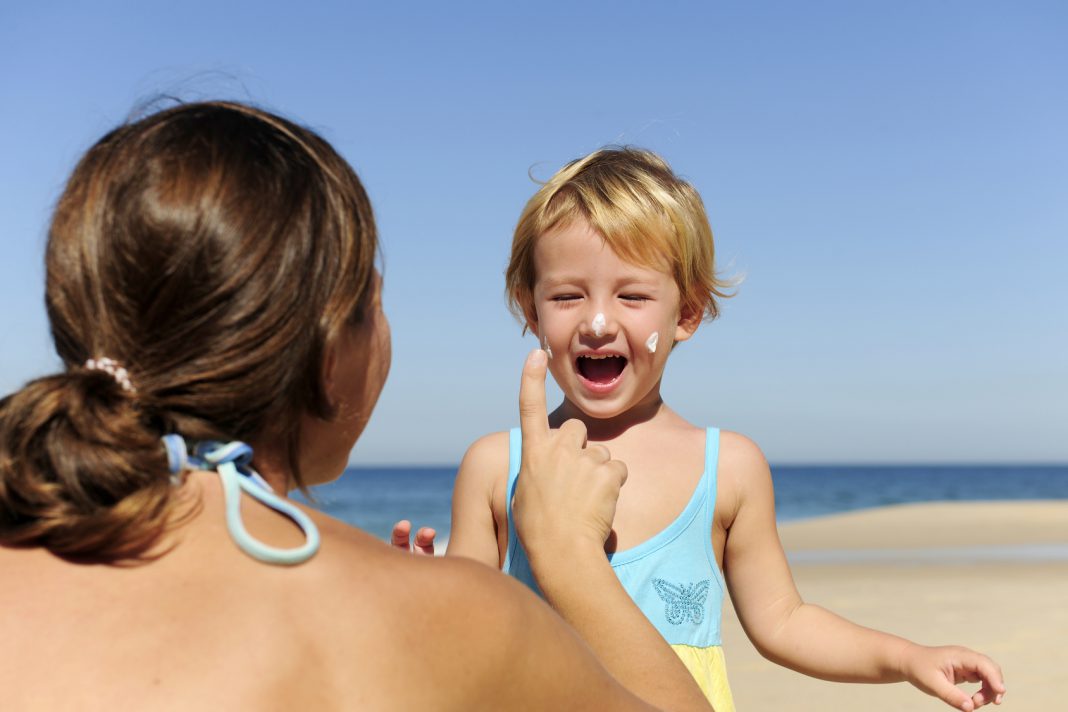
(568, 490)
(937, 671)
(424, 538)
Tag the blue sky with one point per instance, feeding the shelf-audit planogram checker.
(890, 178)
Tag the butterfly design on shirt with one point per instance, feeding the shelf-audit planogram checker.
(683, 601)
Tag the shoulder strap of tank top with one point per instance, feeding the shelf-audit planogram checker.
(515, 457)
(711, 470)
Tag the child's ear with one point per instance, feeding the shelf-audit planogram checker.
(532, 322)
(689, 320)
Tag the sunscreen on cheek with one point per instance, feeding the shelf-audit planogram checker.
(652, 341)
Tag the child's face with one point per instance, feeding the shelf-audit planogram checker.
(578, 276)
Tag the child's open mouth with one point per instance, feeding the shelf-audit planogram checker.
(600, 371)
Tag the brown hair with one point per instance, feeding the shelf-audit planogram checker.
(646, 214)
(214, 250)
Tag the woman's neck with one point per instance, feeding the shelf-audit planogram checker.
(273, 467)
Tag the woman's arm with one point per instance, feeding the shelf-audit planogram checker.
(813, 640)
(514, 651)
(563, 510)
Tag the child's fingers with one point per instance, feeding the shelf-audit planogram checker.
(424, 541)
(986, 696)
(944, 689)
(989, 673)
(533, 418)
(958, 699)
(400, 537)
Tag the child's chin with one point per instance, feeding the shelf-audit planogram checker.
(602, 409)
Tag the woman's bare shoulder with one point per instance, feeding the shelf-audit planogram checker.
(435, 631)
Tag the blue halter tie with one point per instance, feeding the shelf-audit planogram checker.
(231, 461)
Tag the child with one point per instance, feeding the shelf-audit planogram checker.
(611, 267)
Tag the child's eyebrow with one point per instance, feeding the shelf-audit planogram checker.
(636, 281)
(626, 281)
(565, 280)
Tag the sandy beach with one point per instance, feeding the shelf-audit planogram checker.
(992, 576)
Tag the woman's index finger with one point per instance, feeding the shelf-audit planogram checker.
(533, 416)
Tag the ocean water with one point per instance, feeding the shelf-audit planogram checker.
(374, 498)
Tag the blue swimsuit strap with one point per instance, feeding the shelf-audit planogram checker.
(231, 461)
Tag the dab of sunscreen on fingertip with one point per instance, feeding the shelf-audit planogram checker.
(547, 349)
(652, 341)
(598, 324)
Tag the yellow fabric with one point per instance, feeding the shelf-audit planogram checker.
(709, 668)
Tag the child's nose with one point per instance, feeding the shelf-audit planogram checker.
(598, 322)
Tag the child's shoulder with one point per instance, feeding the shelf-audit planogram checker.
(736, 451)
(739, 451)
(488, 451)
(744, 476)
(485, 461)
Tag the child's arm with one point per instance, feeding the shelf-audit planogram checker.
(474, 531)
(810, 639)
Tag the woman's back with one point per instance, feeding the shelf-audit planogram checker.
(207, 627)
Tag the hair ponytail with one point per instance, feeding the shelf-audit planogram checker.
(81, 472)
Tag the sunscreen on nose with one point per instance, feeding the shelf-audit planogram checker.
(598, 324)
(652, 341)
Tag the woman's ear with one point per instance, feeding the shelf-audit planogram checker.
(689, 320)
(330, 365)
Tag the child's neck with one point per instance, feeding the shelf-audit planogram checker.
(600, 429)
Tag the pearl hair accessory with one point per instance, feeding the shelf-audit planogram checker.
(652, 341)
(598, 324)
(113, 369)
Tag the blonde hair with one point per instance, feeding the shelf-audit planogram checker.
(645, 213)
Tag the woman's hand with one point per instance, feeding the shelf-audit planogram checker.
(938, 671)
(567, 490)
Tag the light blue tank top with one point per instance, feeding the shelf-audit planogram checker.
(673, 576)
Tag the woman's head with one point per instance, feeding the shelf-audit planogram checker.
(644, 212)
(216, 251)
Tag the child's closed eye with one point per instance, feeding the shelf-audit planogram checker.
(635, 298)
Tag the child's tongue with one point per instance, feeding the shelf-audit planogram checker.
(601, 370)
